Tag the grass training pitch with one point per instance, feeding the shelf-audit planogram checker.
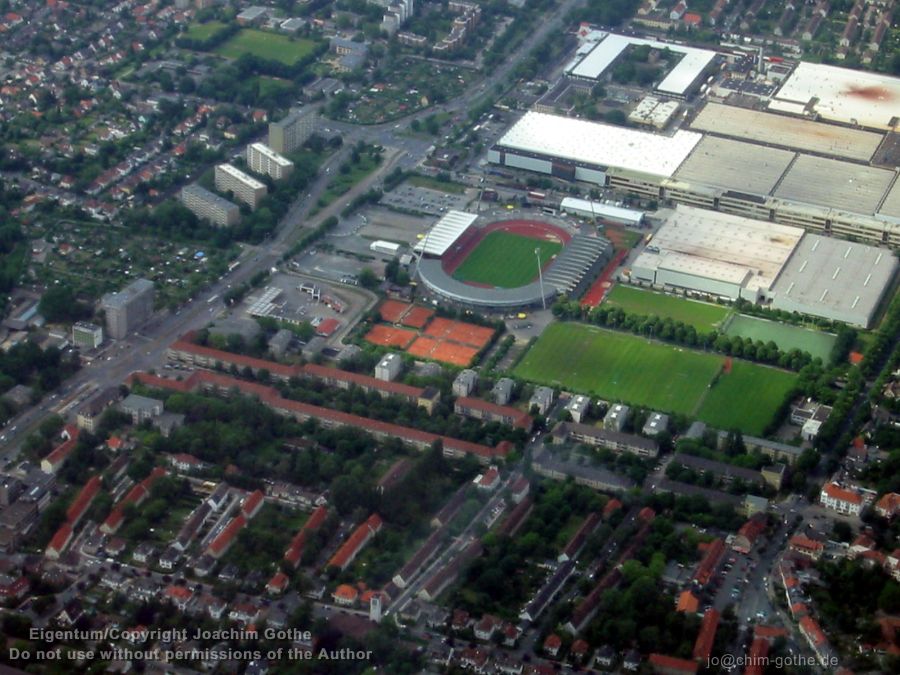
(266, 45)
(746, 398)
(204, 31)
(701, 315)
(505, 260)
(625, 367)
(784, 335)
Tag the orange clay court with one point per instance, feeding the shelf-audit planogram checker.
(391, 311)
(458, 331)
(417, 317)
(439, 350)
(388, 336)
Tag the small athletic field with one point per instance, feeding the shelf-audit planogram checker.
(620, 366)
(505, 260)
(703, 316)
(265, 45)
(786, 336)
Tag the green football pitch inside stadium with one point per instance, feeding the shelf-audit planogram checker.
(620, 366)
(505, 260)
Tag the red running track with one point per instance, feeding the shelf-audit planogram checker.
(597, 291)
(470, 239)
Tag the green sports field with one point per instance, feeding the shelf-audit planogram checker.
(204, 31)
(266, 46)
(701, 315)
(784, 335)
(621, 366)
(505, 260)
(746, 398)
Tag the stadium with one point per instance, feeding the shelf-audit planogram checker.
(506, 264)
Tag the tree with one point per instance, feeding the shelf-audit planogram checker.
(59, 304)
(367, 278)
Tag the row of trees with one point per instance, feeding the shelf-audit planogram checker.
(678, 332)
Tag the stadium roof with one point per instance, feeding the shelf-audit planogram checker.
(717, 245)
(843, 95)
(789, 132)
(835, 184)
(434, 277)
(692, 64)
(445, 232)
(735, 165)
(835, 278)
(597, 144)
(601, 210)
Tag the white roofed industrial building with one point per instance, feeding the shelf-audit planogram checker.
(685, 75)
(787, 131)
(842, 95)
(537, 138)
(716, 253)
(445, 232)
(723, 255)
(835, 279)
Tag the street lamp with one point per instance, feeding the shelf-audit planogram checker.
(537, 253)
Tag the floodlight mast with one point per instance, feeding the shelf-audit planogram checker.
(537, 253)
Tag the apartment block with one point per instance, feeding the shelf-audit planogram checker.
(209, 206)
(243, 186)
(262, 159)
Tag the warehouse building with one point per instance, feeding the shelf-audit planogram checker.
(684, 78)
(290, 133)
(721, 255)
(843, 95)
(262, 159)
(244, 187)
(726, 169)
(209, 206)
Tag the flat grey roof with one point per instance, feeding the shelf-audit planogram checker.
(834, 277)
(121, 298)
(790, 132)
(835, 184)
(209, 197)
(735, 165)
(891, 205)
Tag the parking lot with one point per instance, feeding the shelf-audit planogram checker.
(424, 200)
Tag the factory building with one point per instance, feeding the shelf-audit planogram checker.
(721, 255)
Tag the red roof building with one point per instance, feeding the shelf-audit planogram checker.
(748, 533)
(805, 546)
(489, 479)
(83, 501)
(223, 384)
(295, 550)
(327, 327)
(363, 534)
(252, 504)
(277, 584)
(136, 496)
(552, 644)
(611, 507)
(57, 457)
(888, 506)
(711, 557)
(59, 542)
(478, 409)
(345, 594)
(840, 499)
(757, 657)
(704, 642)
(226, 537)
(687, 602)
(669, 665)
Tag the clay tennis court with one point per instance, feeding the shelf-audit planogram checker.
(392, 311)
(426, 347)
(417, 317)
(458, 331)
(388, 336)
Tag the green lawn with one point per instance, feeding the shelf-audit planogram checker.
(344, 182)
(784, 335)
(614, 365)
(505, 260)
(746, 398)
(204, 31)
(619, 366)
(701, 315)
(266, 45)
